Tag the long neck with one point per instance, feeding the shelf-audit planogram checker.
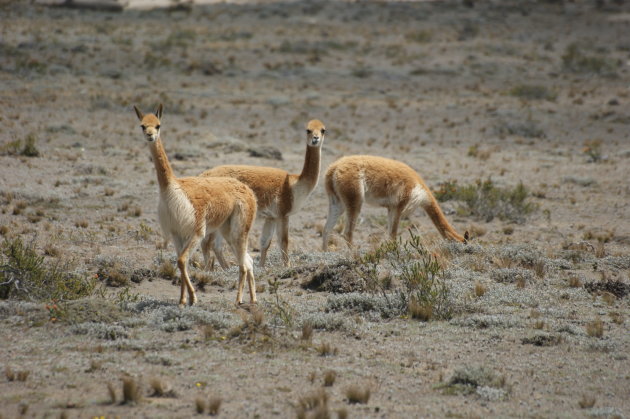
(162, 166)
(310, 171)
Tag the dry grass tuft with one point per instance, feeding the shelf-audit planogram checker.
(480, 289)
(307, 332)
(200, 405)
(9, 373)
(617, 318)
(159, 388)
(595, 328)
(342, 413)
(326, 349)
(21, 375)
(167, 270)
(574, 282)
(329, 378)
(539, 324)
(419, 311)
(313, 405)
(214, 405)
(587, 401)
(131, 391)
(358, 395)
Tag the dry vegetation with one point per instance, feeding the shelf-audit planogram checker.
(515, 113)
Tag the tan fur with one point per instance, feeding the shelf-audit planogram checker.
(353, 180)
(193, 208)
(279, 194)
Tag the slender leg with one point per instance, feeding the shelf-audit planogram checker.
(217, 247)
(335, 209)
(182, 259)
(283, 239)
(265, 240)
(251, 282)
(206, 243)
(393, 219)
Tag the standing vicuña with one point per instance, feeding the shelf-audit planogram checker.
(279, 194)
(193, 208)
(379, 181)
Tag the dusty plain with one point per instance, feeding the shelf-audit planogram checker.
(513, 91)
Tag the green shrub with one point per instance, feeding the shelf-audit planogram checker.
(422, 289)
(533, 92)
(26, 275)
(576, 61)
(483, 200)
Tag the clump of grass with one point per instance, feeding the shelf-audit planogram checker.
(421, 36)
(467, 380)
(326, 349)
(15, 148)
(420, 311)
(595, 328)
(593, 150)
(358, 394)
(532, 92)
(130, 390)
(616, 317)
(484, 200)
(167, 270)
(480, 289)
(329, 378)
(313, 405)
(214, 405)
(576, 61)
(587, 401)
(81, 224)
(574, 281)
(24, 275)
(307, 332)
(200, 405)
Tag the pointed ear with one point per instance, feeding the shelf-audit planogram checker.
(158, 113)
(466, 237)
(140, 115)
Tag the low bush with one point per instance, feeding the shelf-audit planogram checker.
(26, 275)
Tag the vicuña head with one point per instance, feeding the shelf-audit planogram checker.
(353, 180)
(279, 194)
(193, 209)
(150, 123)
(315, 131)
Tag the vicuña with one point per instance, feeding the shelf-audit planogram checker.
(353, 180)
(279, 194)
(194, 208)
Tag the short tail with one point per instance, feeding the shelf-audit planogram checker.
(441, 223)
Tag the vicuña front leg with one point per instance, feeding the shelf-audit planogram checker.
(283, 239)
(185, 283)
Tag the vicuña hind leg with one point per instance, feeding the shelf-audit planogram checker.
(335, 209)
(265, 240)
(393, 219)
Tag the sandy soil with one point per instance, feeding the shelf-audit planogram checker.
(439, 85)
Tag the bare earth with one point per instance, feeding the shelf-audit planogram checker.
(438, 85)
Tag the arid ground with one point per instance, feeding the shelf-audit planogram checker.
(530, 319)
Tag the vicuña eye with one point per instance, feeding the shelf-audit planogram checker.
(309, 132)
(157, 127)
(323, 131)
(143, 127)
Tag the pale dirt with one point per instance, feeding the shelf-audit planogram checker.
(348, 64)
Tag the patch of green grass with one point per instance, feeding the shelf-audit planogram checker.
(533, 92)
(576, 61)
(25, 148)
(25, 275)
(484, 200)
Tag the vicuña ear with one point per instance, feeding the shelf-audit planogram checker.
(466, 237)
(158, 113)
(140, 115)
